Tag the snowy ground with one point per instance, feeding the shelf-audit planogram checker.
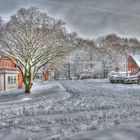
(56, 110)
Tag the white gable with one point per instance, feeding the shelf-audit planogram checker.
(137, 59)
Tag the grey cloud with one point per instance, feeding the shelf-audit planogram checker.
(9, 7)
(90, 18)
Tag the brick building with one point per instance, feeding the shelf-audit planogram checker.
(11, 77)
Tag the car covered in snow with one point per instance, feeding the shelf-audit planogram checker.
(117, 77)
(130, 79)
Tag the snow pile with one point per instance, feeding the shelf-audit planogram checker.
(26, 99)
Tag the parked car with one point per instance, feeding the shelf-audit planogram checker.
(117, 77)
(130, 79)
(73, 78)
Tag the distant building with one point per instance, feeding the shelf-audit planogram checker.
(46, 73)
(133, 64)
(49, 72)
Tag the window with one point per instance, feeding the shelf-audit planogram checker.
(15, 79)
(9, 80)
(2, 62)
(12, 80)
(37, 77)
(5, 63)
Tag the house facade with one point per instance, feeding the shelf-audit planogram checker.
(10, 76)
(133, 64)
(46, 73)
(49, 72)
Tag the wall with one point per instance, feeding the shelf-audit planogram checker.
(20, 80)
(2, 82)
(132, 66)
(7, 61)
(49, 72)
(12, 65)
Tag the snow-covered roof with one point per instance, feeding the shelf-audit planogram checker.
(136, 59)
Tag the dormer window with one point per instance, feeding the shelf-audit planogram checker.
(2, 62)
(5, 63)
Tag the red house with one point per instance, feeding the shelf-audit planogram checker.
(133, 64)
(10, 75)
(49, 72)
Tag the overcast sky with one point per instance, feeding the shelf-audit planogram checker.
(90, 18)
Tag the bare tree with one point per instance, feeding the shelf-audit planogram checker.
(107, 47)
(80, 62)
(32, 40)
(1, 27)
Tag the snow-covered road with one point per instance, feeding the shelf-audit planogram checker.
(130, 132)
(17, 109)
(57, 110)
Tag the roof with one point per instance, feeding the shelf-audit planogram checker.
(136, 58)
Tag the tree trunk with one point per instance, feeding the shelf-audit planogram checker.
(27, 79)
(28, 88)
